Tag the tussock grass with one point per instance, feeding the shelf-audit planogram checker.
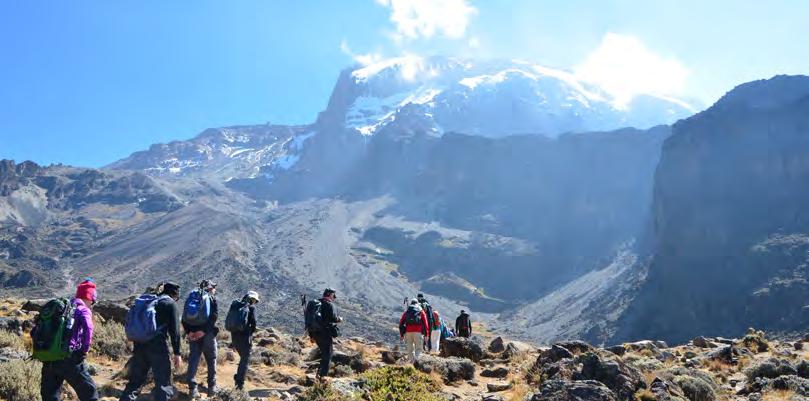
(11, 340)
(109, 339)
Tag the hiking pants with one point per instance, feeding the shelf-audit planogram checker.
(435, 339)
(325, 342)
(413, 343)
(243, 344)
(152, 355)
(204, 346)
(75, 374)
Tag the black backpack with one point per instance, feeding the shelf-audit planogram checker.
(413, 316)
(313, 320)
(238, 316)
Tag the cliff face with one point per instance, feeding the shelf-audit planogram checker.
(731, 217)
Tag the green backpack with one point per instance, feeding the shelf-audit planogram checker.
(52, 331)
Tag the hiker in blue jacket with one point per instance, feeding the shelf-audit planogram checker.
(201, 332)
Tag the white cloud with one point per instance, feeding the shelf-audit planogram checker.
(427, 18)
(362, 59)
(625, 68)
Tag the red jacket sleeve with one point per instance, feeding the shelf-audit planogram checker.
(401, 321)
(424, 323)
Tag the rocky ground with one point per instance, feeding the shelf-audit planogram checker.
(484, 368)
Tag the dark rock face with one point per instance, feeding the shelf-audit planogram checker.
(497, 345)
(580, 390)
(731, 219)
(665, 390)
(500, 372)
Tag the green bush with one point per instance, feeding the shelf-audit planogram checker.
(323, 392)
(19, 380)
(109, 339)
(398, 383)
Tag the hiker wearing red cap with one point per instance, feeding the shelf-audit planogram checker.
(73, 369)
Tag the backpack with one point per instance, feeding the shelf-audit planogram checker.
(53, 328)
(413, 317)
(140, 324)
(238, 315)
(428, 311)
(436, 321)
(197, 309)
(463, 327)
(313, 320)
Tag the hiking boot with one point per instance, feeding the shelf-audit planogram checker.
(240, 387)
(212, 390)
(193, 392)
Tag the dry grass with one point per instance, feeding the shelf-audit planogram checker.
(780, 395)
(645, 395)
(11, 340)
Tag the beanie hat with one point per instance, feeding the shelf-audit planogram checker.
(86, 290)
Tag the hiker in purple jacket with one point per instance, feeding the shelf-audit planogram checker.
(73, 369)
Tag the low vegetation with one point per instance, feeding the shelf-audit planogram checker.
(11, 340)
(19, 380)
(323, 392)
(109, 339)
(396, 383)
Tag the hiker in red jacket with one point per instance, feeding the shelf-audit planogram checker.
(413, 327)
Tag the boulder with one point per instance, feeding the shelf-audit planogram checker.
(621, 378)
(498, 387)
(617, 350)
(463, 348)
(113, 311)
(514, 349)
(553, 354)
(11, 324)
(497, 345)
(499, 373)
(653, 346)
(665, 390)
(451, 369)
(576, 347)
(702, 342)
(390, 357)
(9, 354)
(354, 361)
(34, 305)
(579, 390)
(796, 384)
(563, 369)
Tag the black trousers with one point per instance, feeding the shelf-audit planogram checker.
(152, 355)
(243, 343)
(70, 371)
(325, 343)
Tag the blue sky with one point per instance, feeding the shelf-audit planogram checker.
(89, 82)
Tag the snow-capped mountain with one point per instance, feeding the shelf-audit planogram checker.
(488, 98)
(406, 96)
(226, 153)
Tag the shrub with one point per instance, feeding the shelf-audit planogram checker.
(322, 392)
(109, 339)
(770, 369)
(645, 395)
(230, 395)
(397, 383)
(19, 380)
(11, 340)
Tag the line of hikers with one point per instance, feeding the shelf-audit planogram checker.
(63, 333)
(421, 327)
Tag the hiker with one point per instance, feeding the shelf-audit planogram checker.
(428, 310)
(321, 321)
(435, 332)
(412, 329)
(241, 322)
(152, 320)
(66, 364)
(463, 325)
(199, 322)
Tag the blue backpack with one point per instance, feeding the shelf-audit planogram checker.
(141, 320)
(197, 308)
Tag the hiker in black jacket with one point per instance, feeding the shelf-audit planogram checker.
(202, 341)
(463, 325)
(154, 354)
(325, 337)
(243, 341)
